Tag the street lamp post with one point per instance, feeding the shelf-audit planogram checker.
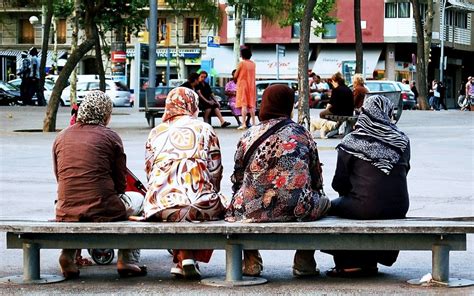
(441, 38)
(238, 11)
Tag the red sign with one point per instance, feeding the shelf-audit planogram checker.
(119, 56)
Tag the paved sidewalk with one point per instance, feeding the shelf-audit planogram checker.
(440, 184)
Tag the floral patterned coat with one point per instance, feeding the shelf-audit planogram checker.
(283, 179)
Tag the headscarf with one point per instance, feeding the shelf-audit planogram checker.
(180, 101)
(95, 109)
(376, 139)
(277, 102)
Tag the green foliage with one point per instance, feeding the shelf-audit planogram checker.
(122, 13)
(321, 14)
(62, 8)
(206, 9)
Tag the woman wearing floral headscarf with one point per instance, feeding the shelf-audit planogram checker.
(89, 164)
(281, 179)
(184, 171)
(371, 179)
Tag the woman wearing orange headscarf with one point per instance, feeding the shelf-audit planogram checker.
(184, 171)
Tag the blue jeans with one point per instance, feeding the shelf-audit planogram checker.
(434, 102)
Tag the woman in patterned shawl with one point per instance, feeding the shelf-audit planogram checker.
(184, 171)
(282, 180)
(371, 179)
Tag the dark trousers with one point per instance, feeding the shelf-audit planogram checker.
(25, 91)
(35, 88)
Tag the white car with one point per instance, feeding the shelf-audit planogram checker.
(48, 89)
(118, 92)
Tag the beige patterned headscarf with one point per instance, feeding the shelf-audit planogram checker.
(95, 109)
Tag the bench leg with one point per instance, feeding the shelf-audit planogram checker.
(31, 269)
(233, 268)
(31, 262)
(440, 263)
(233, 263)
(440, 270)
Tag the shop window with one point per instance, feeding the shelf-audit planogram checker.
(295, 30)
(191, 34)
(26, 32)
(404, 10)
(330, 31)
(390, 10)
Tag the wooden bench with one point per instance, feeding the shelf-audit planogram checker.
(438, 235)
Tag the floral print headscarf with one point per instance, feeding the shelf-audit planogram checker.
(181, 101)
(95, 109)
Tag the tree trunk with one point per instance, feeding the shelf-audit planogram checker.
(421, 69)
(238, 32)
(48, 11)
(75, 33)
(358, 38)
(98, 59)
(303, 53)
(49, 123)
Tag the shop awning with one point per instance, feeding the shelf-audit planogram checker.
(330, 61)
(17, 54)
(462, 5)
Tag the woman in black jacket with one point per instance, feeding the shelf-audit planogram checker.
(371, 179)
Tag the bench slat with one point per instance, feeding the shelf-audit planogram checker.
(326, 225)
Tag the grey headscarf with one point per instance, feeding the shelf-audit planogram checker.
(375, 138)
(95, 109)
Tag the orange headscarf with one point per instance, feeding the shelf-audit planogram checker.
(180, 101)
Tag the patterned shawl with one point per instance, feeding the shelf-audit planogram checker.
(181, 101)
(376, 139)
(95, 109)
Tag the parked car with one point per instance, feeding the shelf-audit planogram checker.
(47, 90)
(117, 91)
(263, 84)
(9, 94)
(407, 96)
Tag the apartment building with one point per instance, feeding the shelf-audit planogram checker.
(389, 40)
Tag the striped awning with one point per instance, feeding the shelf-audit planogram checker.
(19, 59)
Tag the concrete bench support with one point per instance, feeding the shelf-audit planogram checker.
(31, 269)
(233, 272)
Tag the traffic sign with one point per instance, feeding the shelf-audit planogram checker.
(281, 49)
(213, 41)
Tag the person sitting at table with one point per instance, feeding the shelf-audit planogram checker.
(184, 172)
(277, 176)
(371, 178)
(90, 167)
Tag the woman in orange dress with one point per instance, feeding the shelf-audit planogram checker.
(246, 91)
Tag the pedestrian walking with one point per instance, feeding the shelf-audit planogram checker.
(24, 74)
(442, 95)
(246, 89)
(415, 92)
(34, 83)
(469, 94)
(434, 99)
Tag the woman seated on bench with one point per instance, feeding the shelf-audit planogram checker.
(184, 171)
(90, 168)
(277, 176)
(371, 179)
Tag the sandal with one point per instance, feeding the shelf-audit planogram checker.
(190, 269)
(82, 261)
(352, 272)
(128, 272)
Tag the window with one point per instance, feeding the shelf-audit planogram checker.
(295, 30)
(61, 31)
(191, 34)
(26, 32)
(423, 9)
(404, 10)
(390, 10)
(397, 10)
(456, 18)
(330, 31)
(161, 30)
